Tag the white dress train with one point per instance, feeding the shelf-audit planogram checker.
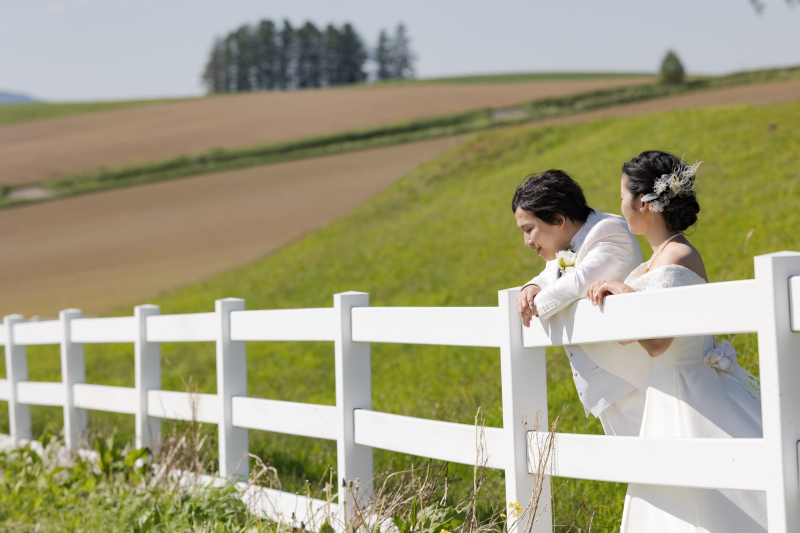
(687, 398)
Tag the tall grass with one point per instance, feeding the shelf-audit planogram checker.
(445, 236)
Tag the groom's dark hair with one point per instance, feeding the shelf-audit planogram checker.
(550, 194)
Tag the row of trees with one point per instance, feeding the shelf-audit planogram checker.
(268, 57)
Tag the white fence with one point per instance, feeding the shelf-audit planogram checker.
(763, 306)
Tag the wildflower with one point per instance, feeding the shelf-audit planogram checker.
(514, 509)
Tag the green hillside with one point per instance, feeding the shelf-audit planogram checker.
(445, 236)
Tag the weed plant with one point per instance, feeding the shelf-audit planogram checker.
(110, 490)
(445, 236)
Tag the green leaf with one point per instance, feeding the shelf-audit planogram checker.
(326, 528)
(132, 457)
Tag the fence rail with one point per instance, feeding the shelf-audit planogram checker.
(769, 305)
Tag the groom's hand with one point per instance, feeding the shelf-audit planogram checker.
(526, 306)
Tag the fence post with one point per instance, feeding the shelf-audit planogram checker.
(231, 381)
(73, 370)
(779, 365)
(524, 380)
(19, 415)
(147, 376)
(353, 391)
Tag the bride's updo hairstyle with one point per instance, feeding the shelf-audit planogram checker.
(550, 194)
(668, 183)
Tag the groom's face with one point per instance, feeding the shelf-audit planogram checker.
(543, 238)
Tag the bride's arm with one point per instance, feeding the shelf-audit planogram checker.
(598, 291)
(655, 347)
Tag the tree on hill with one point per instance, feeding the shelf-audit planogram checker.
(266, 56)
(309, 56)
(331, 51)
(393, 56)
(215, 76)
(285, 75)
(672, 71)
(352, 56)
(242, 45)
(383, 57)
(402, 56)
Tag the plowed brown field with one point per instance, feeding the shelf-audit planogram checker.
(107, 249)
(34, 151)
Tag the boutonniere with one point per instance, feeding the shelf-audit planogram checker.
(566, 260)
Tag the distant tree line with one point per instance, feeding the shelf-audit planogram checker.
(265, 56)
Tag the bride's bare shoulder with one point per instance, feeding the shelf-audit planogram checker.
(685, 255)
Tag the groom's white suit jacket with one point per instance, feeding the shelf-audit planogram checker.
(605, 249)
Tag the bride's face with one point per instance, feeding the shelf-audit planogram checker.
(543, 238)
(632, 208)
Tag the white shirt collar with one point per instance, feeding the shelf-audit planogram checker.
(580, 236)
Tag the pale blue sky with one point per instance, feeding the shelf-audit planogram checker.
(66, 50)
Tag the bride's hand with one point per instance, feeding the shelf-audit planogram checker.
(599, 290)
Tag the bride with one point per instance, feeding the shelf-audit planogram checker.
(695, 387)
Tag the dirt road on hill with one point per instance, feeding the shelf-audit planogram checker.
(107, 249)
(35, 151)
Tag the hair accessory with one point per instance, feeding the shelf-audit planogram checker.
(668, 186)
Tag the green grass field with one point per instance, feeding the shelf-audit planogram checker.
(445, 236)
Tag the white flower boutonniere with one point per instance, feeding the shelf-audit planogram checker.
(566, 260)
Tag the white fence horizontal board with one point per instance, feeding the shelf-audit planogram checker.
(304, 419)
(4, 392)
(93, 330)
(179, 406)
(196, 327)
(40, 393)
(294, 510)
(105, 398)
(446, 326)
(283, 325)
(702, 463)
(679, 312)
(40, 332)
(445, 441)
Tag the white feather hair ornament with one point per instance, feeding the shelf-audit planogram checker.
(668, 186)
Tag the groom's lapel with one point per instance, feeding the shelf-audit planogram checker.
(584, 244)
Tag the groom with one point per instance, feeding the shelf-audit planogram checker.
(553, 215)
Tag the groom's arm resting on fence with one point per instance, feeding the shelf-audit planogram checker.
(607, 258)
(526, 298)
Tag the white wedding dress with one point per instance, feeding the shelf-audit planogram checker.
(687, 398)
